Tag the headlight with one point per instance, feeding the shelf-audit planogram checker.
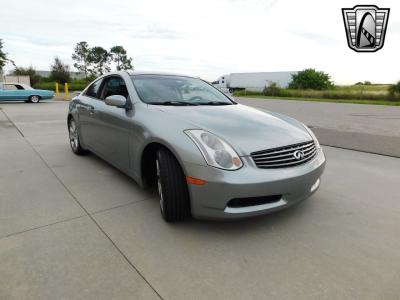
(216, 152)
(313, 136)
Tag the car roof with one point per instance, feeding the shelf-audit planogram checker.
(25, 86)
(135, 72)
(12, 83)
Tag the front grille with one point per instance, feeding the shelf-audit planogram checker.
(253, 201)
(283, 157)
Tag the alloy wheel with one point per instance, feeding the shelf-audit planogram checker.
(73, 135)
(159, 187)
(35, 99)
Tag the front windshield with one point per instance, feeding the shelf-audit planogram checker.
(177, 90)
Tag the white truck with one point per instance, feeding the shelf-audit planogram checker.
(255, 81)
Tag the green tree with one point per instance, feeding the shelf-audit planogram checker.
(81, 56)
(311, 79)
(30, 71)
(101, 59)
(120, 57)
(3, 57)
(60, 72)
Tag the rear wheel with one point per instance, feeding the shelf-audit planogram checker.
(172, 187)
(34, 99)
(74, 138)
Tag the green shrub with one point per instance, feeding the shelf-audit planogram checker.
(311, 79)
(394, 90)
(272, 90)
(52, 86)
(47, 83)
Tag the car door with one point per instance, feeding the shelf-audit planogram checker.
(113, 124)
(10, 92)
(87, 122)
(23, 93)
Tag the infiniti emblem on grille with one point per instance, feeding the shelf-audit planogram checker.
(298, 154)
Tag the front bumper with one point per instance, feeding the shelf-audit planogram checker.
(211, 199)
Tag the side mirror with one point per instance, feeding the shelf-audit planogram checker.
(116, 100)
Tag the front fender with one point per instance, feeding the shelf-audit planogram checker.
(182, 147)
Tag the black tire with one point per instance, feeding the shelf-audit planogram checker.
(74, 140)
(172, 187)
(34, 99)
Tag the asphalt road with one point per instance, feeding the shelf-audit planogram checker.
(75, 228)
(370, 128)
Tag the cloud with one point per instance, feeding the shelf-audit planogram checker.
(206, 38)
(155, 32)
(314, 37)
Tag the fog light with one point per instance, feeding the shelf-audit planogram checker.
(315, 186)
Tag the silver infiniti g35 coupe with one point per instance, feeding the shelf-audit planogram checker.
(209, 156)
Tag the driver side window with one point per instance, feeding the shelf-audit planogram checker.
(114, 85)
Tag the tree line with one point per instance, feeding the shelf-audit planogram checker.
(97, 60)
(90, 61)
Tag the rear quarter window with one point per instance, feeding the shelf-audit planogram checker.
(10, 87)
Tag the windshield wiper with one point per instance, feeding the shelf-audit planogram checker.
(214, 103)
(173, 102)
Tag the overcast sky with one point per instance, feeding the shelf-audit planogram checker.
(206, 38)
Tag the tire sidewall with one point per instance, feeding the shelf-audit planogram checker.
(176, 199)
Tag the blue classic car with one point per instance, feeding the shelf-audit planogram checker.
(23, 92)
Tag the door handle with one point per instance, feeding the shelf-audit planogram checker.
(91, 109)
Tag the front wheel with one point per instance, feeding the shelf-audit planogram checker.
(34, 99)
(172, 187)
(74, 138)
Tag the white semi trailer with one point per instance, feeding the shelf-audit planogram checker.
(256, 81)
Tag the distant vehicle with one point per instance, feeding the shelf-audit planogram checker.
(256, 81)
(23, 92)
(208, 156)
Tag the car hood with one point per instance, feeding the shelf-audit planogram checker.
(247, 129)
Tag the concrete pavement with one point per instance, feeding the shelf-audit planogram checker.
(75, 228)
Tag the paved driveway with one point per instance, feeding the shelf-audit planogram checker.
(75, 228)
(370, 128)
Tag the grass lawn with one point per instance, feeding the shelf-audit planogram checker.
(383, 88)
(376, 94)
